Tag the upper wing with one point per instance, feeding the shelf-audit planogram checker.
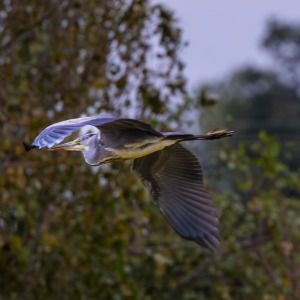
(57, 132)
(174, 178)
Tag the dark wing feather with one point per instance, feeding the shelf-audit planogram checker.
(174, 178)
(57, 132)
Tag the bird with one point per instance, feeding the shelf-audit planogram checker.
(171, 172)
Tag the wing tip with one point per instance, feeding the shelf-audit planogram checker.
(212, 243)
(28, 147)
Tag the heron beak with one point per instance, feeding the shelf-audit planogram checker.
(71, 146)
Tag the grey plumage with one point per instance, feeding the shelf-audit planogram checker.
(171, 172)
(57, 132)
(175, 180)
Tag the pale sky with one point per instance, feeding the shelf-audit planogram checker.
(224, 35)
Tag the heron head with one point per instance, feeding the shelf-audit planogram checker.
(83, 143)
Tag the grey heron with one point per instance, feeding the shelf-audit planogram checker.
(170, 171)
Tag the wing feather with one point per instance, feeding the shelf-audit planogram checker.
(175, 179)
(56, 133)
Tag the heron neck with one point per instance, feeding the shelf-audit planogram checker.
(97, 155)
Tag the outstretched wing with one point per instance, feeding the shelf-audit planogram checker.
(57, 132)
(174, 178)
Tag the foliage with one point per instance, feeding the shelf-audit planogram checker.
(261, 211)
(260, 222)
(71, 231)
(66, 231)
(118, 55)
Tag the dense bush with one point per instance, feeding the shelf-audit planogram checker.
(72, 231)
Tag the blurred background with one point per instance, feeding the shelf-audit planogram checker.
(71, 231)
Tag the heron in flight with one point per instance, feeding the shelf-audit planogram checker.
(170, 171)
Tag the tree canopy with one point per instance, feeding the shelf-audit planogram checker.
(72, 231)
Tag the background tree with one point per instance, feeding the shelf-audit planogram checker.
(261, 210)
(256, 98)
(72, 231)
(65, 231)
(282, 42)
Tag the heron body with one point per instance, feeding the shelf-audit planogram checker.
(137, 150)
(171, 172)
(132, 150)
